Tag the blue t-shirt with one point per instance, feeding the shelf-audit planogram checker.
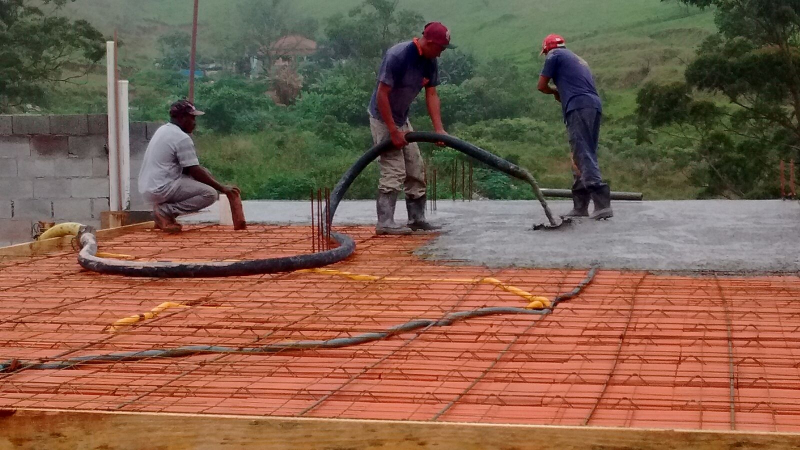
(406, 72)
(574, 80)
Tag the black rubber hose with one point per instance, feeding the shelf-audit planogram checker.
(88, 260)
(468, 149)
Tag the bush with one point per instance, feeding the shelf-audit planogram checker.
(344, 93)
(234, 105)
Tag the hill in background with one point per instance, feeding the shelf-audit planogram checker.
(626, 41)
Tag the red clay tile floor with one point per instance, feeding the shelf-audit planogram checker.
(633, 350)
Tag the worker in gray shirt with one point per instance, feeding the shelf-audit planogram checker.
(171, 177)
(406, 69)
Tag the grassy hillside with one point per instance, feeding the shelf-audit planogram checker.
(626, 41)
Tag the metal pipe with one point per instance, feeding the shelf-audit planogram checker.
(566, 193)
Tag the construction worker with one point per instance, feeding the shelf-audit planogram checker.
(406, 68)
(583, 112)
(171, 177)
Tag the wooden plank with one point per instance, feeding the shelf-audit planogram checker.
(35, 248)
(34, 429)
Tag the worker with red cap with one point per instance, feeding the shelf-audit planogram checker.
(583, 112)
(407, 68)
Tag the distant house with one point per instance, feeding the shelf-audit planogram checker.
(291, 47)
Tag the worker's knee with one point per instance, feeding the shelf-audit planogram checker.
(208, 197)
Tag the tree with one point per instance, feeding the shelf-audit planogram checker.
(740, 102)
(37, 49)
(370, 29)
(261, 23)
(175, 49)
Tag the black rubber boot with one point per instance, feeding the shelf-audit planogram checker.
(416, 215)
(601, 196)
(580, 203)
(386, 225)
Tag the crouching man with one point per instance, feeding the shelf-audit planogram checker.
(171, 178)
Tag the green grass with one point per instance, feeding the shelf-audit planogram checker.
(618, 37)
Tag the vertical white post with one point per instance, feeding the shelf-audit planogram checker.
(124, 151)
(113, 163)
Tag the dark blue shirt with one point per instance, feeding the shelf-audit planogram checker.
(406, 71)
(573, 79)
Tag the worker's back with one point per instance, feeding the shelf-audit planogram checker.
(573, 78)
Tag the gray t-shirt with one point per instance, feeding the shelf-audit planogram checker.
(168, 153)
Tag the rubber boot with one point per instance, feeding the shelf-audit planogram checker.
(416, 215)
(386, 225)
(580, 203)
(601, 196)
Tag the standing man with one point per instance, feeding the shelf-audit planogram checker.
(406, 69)
(171, 177)
(583, 112)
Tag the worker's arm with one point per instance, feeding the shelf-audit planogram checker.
(545, 88)
(202, 175)
(435, 111)
(385, 109)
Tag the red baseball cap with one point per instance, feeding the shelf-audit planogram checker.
(438, 34)
(184, 107)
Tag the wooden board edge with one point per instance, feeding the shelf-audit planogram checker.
(58, 429)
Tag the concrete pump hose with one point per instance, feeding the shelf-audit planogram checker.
(89, 259)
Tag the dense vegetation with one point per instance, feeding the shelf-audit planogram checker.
(665, 134)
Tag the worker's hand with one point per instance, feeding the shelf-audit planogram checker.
(557, 96)
(231, 190)
(441, 131)
(399, 138)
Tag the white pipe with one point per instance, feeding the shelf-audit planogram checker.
(113, 163)
(124, 146)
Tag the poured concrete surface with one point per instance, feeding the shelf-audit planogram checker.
(711, 235)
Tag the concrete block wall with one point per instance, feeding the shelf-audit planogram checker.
(55, 168)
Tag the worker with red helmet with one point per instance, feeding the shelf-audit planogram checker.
(583, 112)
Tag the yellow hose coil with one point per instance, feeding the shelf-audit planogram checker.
(61, 230)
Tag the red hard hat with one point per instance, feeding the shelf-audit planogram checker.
(552, 41)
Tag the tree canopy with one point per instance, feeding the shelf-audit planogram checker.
(38, 49)
(740, 101)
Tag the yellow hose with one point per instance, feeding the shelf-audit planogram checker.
(131, 320)
(61, 230)
(534, 302)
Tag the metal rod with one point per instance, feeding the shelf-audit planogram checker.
(313, 227)
(783, 183)
(193, 54)
(463, 180)
(435, 193)
(328, 218)
(470, 180)
(566, 193)
(455, 172)
(319, 218)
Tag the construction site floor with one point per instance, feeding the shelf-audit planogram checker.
(635, 349)
(710, 235)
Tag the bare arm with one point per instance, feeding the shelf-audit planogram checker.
(385, 109)
(202, 175)
(434, 109)
(545, 88)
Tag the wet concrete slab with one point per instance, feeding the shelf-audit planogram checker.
(709, 235)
